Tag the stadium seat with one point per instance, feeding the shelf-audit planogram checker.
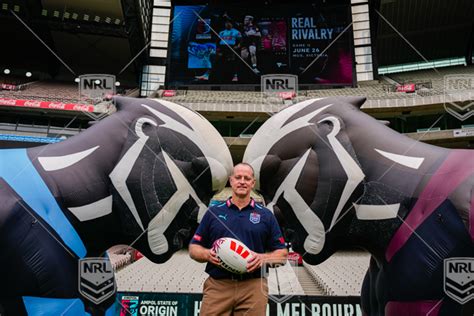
(341, 274)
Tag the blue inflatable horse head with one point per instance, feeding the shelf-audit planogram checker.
(337, 178)
(142, 176)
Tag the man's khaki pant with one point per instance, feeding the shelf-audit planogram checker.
(232, 297)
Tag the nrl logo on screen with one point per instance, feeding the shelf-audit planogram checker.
(276, 89)
(96, 86)
(97, 89)
(274, 84)
(458, 93)
(96, 279)
(459, 279)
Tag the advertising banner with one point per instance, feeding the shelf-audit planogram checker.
(182, 304)
(47, 105)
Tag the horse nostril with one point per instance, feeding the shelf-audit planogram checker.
(199, 164)
(193, 216)
(292, 237)
(289, 233)
(178, 242)
(181, 237)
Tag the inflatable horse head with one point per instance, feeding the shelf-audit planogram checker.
(336, 177)
(298, 174)
(141, 176)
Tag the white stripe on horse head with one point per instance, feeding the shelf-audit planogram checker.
(93, 210)
(122, 170)
(273, 131)
(61, 162)
(407, 161)
(354, 173)
(315, 240)
(376, 212)
(158, 225)
(212, 146)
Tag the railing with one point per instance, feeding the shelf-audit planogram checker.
(40, 130)
(40, 97)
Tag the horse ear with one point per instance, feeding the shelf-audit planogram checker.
(355, 101)
(122, 103)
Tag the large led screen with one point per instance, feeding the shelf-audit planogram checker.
(232, 44)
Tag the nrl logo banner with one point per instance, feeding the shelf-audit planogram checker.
(98, 89)
(459, 279)
(96, 279)
(275, 88)
(96, 86)
(458, 94)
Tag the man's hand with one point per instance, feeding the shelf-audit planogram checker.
(212, 258)
(255, 262)
(275, 258)
(201, 254)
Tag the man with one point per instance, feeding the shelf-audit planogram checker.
(241, 218)
(251, 36)
(229, 43)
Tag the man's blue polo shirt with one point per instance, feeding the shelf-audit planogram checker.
(254, 225)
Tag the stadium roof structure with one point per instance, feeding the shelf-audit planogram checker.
(111, 8)
(64, 39)
(436, 29)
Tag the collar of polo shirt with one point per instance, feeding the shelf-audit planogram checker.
(251, 203)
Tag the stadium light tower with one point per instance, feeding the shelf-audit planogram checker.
(6, 71)
(28, 74)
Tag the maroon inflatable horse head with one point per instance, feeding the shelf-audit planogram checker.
(329, 168)
(335, 177)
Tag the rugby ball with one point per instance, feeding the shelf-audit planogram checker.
(233, 254)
